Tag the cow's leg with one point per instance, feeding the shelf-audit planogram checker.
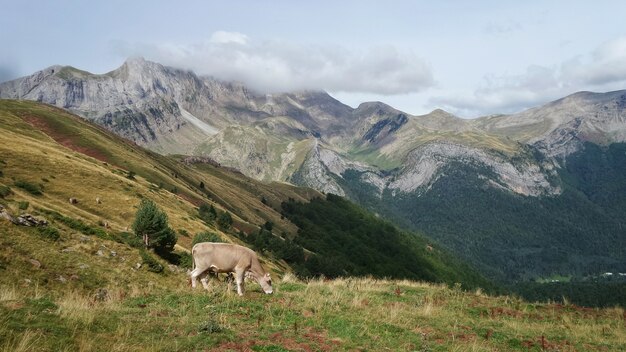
(194, 275)
(205, 281)
(239, 274)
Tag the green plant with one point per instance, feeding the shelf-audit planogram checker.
(210, 327)
(224, 220)
(151, 224)
(29, 187)
(49, 232)
(23, 205)
(207, 213)
(206, 237)
(183, 232)
(152, 264)
(130, 175)
(4, 191)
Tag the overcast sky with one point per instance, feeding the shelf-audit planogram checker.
(468, 57)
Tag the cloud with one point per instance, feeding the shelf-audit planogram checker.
(276, 66)
(222, 37)
(602, 69)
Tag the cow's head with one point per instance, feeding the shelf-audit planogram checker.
(266, 283)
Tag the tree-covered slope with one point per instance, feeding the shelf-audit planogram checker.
(512, 237)
(347, 241)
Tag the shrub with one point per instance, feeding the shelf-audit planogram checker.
(130, 175)
(183, 232)
(152, 264)
(185, 260)
(4, 191)
(23, 205)
(207, 213)
(224, 221)
(206, 237)
(49, 232)
(29, 187)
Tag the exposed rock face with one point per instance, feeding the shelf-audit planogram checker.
(423, 165)
(312, 139)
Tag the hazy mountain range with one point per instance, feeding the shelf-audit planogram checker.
(390, 161)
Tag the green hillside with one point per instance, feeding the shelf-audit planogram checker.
(65, 157)
(511, 238)
(84, 283)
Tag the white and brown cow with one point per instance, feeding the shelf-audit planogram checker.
(226, 258)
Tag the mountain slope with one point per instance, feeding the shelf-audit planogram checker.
(61, 156)
(514, 167)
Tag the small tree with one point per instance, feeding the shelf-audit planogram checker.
(207, 213)
(151, 224)
(224, 221)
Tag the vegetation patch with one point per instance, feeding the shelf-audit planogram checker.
(29, 187)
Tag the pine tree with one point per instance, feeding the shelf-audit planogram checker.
(151, 224)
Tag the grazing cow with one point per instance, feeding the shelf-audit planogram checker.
(228, 258)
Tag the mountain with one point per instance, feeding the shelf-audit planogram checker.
(507, 192)
(49, 156)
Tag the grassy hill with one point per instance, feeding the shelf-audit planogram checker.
(83, 284)
(64, 296)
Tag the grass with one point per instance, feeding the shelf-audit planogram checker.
(106, 303)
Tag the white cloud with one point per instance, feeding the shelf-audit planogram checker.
(223, 37)
(274, 66)
(601, 70)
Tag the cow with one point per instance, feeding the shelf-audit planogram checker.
(228, 258)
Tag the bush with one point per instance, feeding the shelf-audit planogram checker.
(151, 224)
(185, 260)
(49, 232)
(152, 264)
(207, 213)
(206, 237)
(4, 191)
(130, 175)
(23, 205)
(183, 232)
(29, 187)
(224, 221)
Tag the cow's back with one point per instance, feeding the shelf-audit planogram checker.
(223, 256)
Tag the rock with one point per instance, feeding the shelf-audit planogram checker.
(29, 220)
(67, 250)
(73, 201)
(74, 277)
(85, 239)
(98, 200)
(100, 253)
(101, 295)
(83, 266)
(5, 215)
(36, 263)
(113, 254)
(138, 266)
(62, 279)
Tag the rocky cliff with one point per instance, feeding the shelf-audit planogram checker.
(311, 138)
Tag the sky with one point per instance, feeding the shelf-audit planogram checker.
(471, 58)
